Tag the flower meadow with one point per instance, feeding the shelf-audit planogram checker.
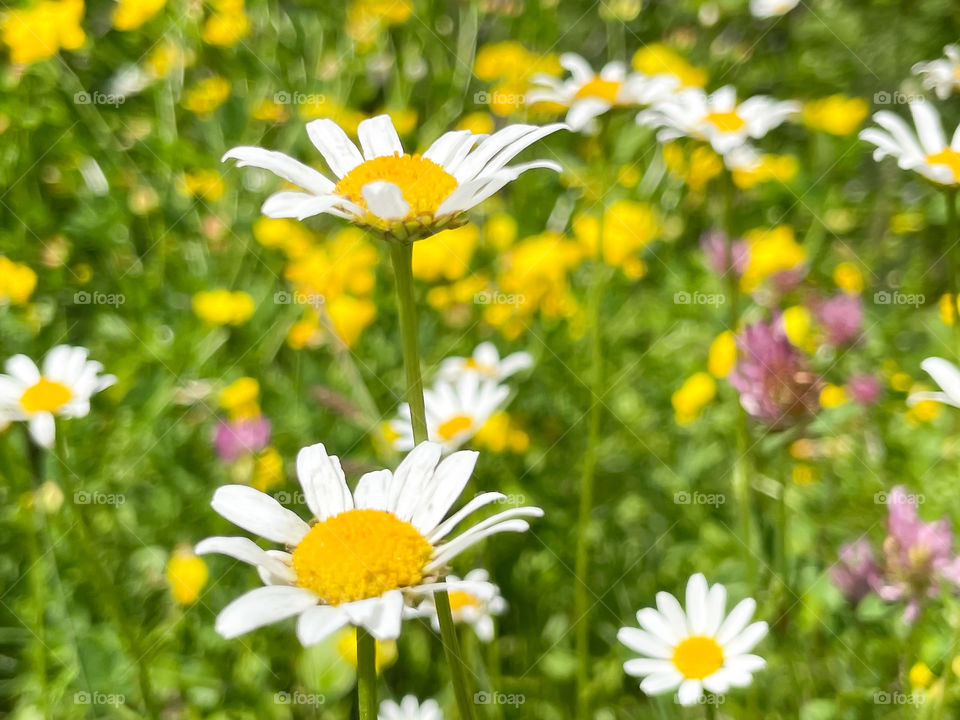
(486, 359)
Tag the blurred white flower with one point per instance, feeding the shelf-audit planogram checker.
(588, 94)
(696, 649)
(473, 601)
(942, 75)
(716, 118)
(771, 8)
(455, 411)
(389, 190)
(63, 388)
(409, 709)
(925, 151)
(486, 361)
(947, 376)
(368, 553)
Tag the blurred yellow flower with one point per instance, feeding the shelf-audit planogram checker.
(772, 250)
(350, 316)
(131, 14)
(510, 66)
(404, 120)
(239, 398)
(628, 227)
(767, 167)
(500, 230)
(186, 575)
(907, 223)
(223, 307)
(294, 238)
(345, 263)
(722, 355)
(690, 399)
(461, 292)
(227, 24)
(658, 59)
(206, 184)
(797, 322)
(267, 470)
(803, 474)
(920, 675)
(321, 106)
(446, 255)
(17, 282)
(924, 411)
(501, 433)
(901, 381)
(207, 95)
(269, 111)
(832, 396)
(164, 57)
(477, 122)
(41, 29)
(836, 114)
(386, 652)
(367, 18)
(702, 166)
(948, 311)
(847, 277)
(305, 333)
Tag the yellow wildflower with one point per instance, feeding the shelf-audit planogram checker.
(223, 307)
(901, 381)
(924, 411)
(703, 164)
(690, 399)
(907, 223)
(305, 333)
(500, 230)
(446, 255)
(803, 474)
(772, 250)
(164, 57)
(832, 396)
(500, 433)
(510, 66)
(797, 322)
(847, 277)
(267, 469)
(658, 59)
(367, 18)
(477, 122)
(628, 227)
(722, 355)
(948, 311)
(269, 111)
(350, 317)
(920, 675)
(206, 184)
(836, 114)
(40, 30)
(466, 290)
(345, 263)
(207, 95)
(131, 14)
(186, 575)
(768, 167)
(385, 655)
(227, 24)
(239, 398)
(17, 282)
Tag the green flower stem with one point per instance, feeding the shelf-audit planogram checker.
(366, 675)
(401, 254)
(953, 230)
(38, 588)
(948, 674)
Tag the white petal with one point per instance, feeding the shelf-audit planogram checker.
(671, 611)
(323, 482)
(318, 623)
(337, 149)
(661, 682)
(945, 374)
(450, 523)
(468, 539)
(372, 489)
(261, 607)
(654, 623)
(745, 641)
(245, 550)
(385, 200)
(448, 481)
(578, 67)
(646, 666)
(746, 663)
(380, 616)
(716, 605)
(23, 369)
(412, 474)
(585, 110)
(42, 429)
(928, 125)
(690, 691)
(449, 149)
(298, 205)
(736, 621)
(259, 513)
(283, 166)
(378, 137)
(645, 643)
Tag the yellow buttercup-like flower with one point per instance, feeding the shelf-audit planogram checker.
(797, 322)
(131, 14)
(500, 433)
(223, 307)
(207, 95)
(350, 316)
(239, 398)
(227, 24)
(366, 19)
(500, 230)
(206, 184)
(628, 227)
(764, 169)
(267, 470)
(722, 355)
(658, 59)
(847, 277)
(702, 165)
(386, 651)
(511, 66)
(477, 122)
(836, 114)
(832, 396)
(772, 250)
(689, 400)
(40, 30)
(186, 575)
(446, 255)
(17, 282)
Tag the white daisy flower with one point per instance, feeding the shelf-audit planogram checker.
(409, 709)
(771, 8)
(62, 388)
(716, 118)
(381, 187)
(485, 361)
(474, 601)
(589, 95)
(366, 553)
(697, 649)
(947, 376)
(925, 151)
(941, 75)
(455, 411)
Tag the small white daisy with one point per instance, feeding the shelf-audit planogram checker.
(925, 151)
(410, 709)
(473, 601)
(716, 118)
(385, 189)
(485, 361)
(366, 555)
(63, 388)
(941, 75)
(771, 8)
(947, 376)
(697, 649)
(455, 411)
(589, 95)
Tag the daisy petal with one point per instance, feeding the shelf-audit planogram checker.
(245, 550)
(645, 643)
(259, 513)
(323, 482)
(385, 200)
(378, 137)
(43, 429)
(380, 616)
(745, 641)
(736, 621)
(337, 149)
(689, 692)
(281, 165)
(261, 607)
(661, 682)
(317, 623)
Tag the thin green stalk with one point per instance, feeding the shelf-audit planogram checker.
(953, 230)
(401, 255)
(947, 674)
(366, 674)
(37, 580)
(710, 708)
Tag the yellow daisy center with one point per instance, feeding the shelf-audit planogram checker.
(45, 396)
(360, 554)
(728, 121)
(698, 657)
(600, 88)
(481, 368)
(948, 157)
(424, 184)
(460, 599)
(449, 429)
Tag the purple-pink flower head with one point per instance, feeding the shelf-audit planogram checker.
(864, 389)
(856, 572)
(719, 258)
(235, 438)
(841, 317)
(772, 377)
